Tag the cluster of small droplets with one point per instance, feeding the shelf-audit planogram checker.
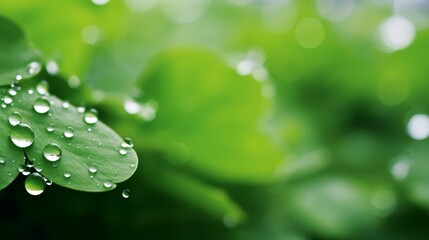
(22, 136)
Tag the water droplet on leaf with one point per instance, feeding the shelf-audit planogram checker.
(91, 116)
(22, 135)
(52, 152)
(69, 132)
(42, 105)
(15, 118)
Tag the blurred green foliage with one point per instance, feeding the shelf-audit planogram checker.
(272, 119)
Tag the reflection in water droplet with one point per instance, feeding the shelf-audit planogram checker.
(69, 132)
(34, 184)
(15, 118)
(91, 116)
(42, 105)
(52, 152)
(126, 193)
(22, 135)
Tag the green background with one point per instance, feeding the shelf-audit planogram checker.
(257, 119)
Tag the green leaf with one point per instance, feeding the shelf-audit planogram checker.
(93, 146)
(10, 156)
(212, 113)
(334, 207)
(57, 28)
(15, 54)
(411, 170)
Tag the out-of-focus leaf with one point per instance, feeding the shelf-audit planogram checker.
(15, 54)
(211, 112)
(59, 28)
(411, 170)
(332, 207)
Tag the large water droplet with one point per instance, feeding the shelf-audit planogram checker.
(42, 105)
(90, 116)
(35, 184)
(34, 68)
(52, 152)
(15, 118)
(126, 193)
(22, 135)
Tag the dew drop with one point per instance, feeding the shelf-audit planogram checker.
(50, 128)
(69, 132)
(34, 68)
(42, 88)
(128, 143)
(93, 168)
(15, 118)
(67, 175)
(7, 99)
(66, 105)
(30, 92)
(22, 135)
(35, 184)
(42, 105)
(25, 170)
(52, 152)
(123, 151)
(12, 92)
(80, 109)
(18, 77)
(126, 193)
(108, 184)
(90, 116)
